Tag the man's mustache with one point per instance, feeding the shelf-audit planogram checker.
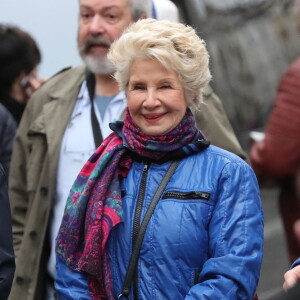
(94, 41)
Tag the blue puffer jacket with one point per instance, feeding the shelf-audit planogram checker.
(204, 240)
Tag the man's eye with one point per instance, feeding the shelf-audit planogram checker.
(112, 17)
(85, 16)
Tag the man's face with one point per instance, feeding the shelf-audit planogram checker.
(100, 23)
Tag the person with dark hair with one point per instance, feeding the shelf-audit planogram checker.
(7, 259)
(19, 58)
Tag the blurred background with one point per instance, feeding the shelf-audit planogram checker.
(251, 43)
(53, 24)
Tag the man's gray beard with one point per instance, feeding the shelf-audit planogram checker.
(98, 66)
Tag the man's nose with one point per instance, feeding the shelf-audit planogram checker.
(97, 25)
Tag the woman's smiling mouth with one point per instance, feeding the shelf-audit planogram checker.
(152, 118)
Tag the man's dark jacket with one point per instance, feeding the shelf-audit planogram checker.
(7, 259)
(8, 127)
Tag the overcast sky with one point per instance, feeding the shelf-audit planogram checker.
(53, 24)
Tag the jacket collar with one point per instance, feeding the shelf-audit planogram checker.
(60, 88)
(56, 113)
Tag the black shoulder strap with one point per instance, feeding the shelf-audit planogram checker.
(140, 237)
(90, 82)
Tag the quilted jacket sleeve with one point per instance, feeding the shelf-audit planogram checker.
(236, 239)
(279, 153)
(296, 263)
(70, 284)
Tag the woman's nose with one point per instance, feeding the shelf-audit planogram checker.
(150, 99)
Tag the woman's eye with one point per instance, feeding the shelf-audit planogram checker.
(165, 86)
(138, 87)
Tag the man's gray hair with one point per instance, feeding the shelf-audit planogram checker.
(139, 8)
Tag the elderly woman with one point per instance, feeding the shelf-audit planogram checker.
(157, 213)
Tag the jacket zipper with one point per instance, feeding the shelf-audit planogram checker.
(196, 195)
(137, 221)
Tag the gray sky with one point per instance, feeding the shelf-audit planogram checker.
(52, 23)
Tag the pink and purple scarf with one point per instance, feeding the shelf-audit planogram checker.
(94, 205)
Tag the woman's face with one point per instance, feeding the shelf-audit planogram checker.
(155, 97)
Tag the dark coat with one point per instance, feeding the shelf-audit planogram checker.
(7, 258)
(15, 108)
(8, 127)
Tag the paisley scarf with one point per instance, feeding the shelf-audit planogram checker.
(94, 205)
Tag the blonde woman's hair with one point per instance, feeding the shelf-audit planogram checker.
(176, 46)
